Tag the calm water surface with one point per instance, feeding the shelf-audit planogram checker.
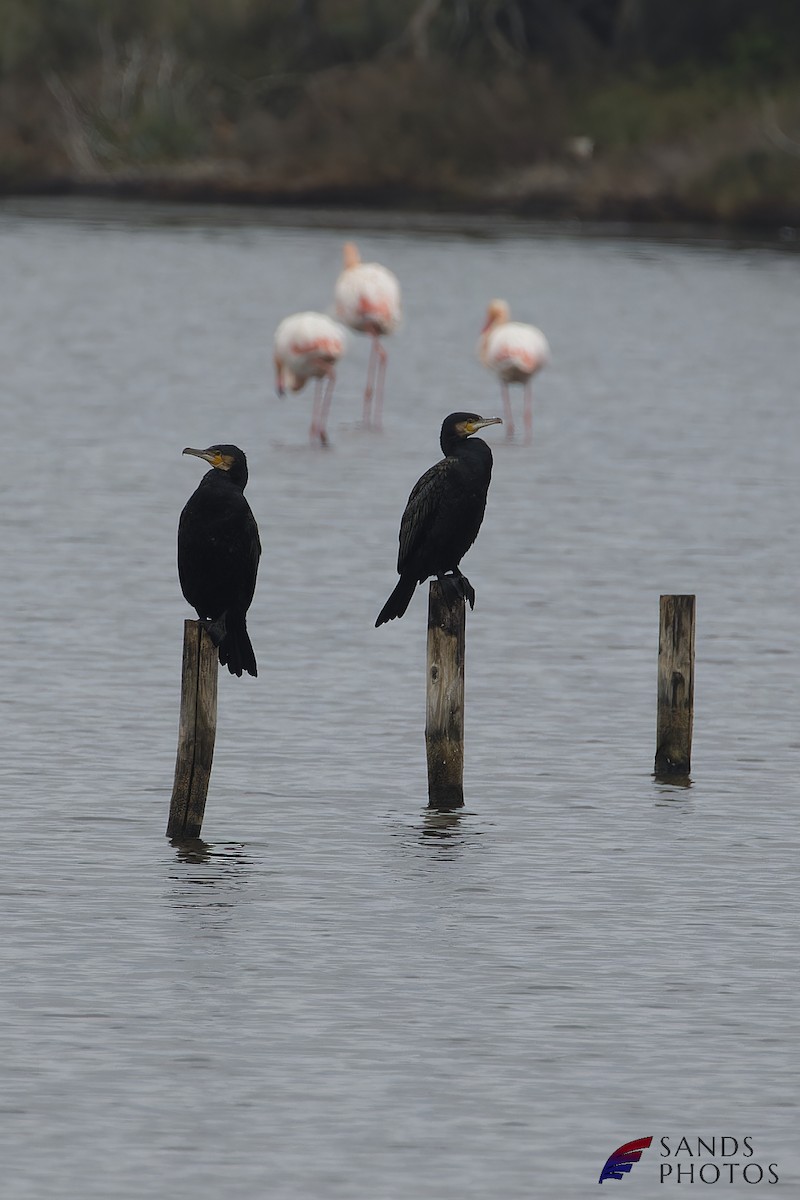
(340, 995)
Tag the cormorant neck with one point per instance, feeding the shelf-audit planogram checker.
(454, 445)
(237, 475)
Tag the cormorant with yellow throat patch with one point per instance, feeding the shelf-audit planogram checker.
(443, 514)
(218, 553)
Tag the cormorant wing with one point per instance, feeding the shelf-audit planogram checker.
(255, 552)
(423, 505)
(244, 551)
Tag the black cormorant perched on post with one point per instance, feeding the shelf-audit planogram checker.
(218, 553)
(443, 514)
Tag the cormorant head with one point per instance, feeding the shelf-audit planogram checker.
(226, 458)
(459, 426)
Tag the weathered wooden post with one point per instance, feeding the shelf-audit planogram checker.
(444, 726)
(675, 686)
(197, 731)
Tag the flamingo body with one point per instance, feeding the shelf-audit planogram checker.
(515, 352)
(308, 345)
(367, 300)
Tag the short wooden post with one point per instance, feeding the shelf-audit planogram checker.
(197, 732)
(675, 686)
(444, 726)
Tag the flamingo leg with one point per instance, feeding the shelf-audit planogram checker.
(527, 412)
(380, 375)
(509, 416)
(370, 388)
(327, 396)
(315, 430)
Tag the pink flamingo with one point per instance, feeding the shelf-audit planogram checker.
(367, 298)
(308, 345)
(515, 352)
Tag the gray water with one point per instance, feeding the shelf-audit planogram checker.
(338, 994)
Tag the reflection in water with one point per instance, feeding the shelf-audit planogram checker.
(446, 834)
(191, 850)
(225, 869)
(439, 824)
(666, 782)
(674, 794)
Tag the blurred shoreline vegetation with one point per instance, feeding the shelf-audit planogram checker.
(652, 109)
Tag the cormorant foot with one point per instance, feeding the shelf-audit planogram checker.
(217, 629)
(468, 591)
(458, 586)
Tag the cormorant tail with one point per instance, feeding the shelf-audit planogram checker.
(399, 600)
(236, 649)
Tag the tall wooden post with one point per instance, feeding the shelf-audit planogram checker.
(675, 686)
(197, 732)
(444, 726)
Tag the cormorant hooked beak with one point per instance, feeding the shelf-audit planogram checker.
(213, 456)
(473, 426)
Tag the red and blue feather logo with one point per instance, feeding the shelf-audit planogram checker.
(623, 1158)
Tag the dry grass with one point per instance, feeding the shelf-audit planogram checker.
(406, 130)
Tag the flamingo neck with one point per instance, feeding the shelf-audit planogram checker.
(350, 255)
